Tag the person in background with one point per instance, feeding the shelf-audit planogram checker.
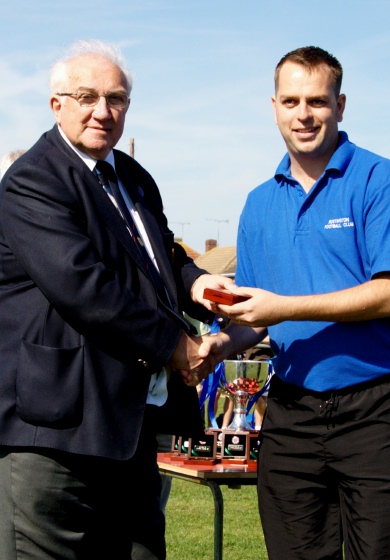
(8, 160)
(316, 271)
(95, 354)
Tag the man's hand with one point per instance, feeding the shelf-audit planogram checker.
(261, 309)
(232, 340)
(363, 302)
(216, 348)
(186, 359)
(213, 281)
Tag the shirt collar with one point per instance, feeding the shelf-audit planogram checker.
(338, 162)
(88, 160)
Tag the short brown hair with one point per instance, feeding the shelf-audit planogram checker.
(311, 57)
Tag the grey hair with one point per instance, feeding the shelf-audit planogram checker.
(59, 70)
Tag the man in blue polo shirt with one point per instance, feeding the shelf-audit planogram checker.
(314, 249)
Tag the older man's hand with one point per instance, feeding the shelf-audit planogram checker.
(188, 362)
(212, 281)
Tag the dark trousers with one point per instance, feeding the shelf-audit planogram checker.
(59, 506)
(324, 473)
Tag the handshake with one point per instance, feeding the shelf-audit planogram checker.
(250, 311)
(196, 357)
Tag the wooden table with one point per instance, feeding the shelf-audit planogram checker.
(213, 476)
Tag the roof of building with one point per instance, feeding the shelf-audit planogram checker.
(190, 252)
(220, 260)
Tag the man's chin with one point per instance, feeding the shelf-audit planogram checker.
(97, 150)
(308, 147)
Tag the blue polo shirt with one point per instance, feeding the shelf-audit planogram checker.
(335, 237)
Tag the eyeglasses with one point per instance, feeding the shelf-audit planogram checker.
(90, 98)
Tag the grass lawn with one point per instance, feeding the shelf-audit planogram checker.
(190, 523)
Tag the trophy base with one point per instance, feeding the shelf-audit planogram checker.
(200, 461)
(217, 446)
(239, 446)
(233, 461)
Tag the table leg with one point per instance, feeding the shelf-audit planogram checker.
(218, 518)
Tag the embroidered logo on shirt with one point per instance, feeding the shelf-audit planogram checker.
(339, 223)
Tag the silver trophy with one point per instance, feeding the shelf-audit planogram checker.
(243, 381)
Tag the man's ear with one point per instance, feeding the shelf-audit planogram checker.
(273, 99)
(341, 106)
(55, 104)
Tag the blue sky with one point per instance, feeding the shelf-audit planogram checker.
(203, 76)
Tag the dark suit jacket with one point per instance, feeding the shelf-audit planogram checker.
(81, 326)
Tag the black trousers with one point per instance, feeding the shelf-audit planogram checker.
(324, 473)
(54, 505)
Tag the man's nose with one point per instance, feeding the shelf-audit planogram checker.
(102, 109)
(304, 111)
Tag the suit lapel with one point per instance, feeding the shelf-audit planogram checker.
(115, 223)
(106, 209)
(112, 219)
(152, 228)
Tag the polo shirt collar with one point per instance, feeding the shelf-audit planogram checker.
(338, 162)
(342, 155)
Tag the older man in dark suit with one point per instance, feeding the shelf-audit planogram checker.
(95, 355)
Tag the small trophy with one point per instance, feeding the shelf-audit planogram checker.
(242, 380)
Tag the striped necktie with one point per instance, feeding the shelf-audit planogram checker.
(109, 181)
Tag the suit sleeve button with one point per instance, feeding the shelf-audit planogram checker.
(142, 363)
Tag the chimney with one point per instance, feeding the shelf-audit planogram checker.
(210, 244)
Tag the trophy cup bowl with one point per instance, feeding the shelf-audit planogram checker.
(242, 381)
